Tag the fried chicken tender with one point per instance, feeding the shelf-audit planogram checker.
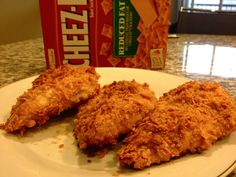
(112, 113)
(188, 119)
(52, 92)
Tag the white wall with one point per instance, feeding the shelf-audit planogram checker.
(19, 20)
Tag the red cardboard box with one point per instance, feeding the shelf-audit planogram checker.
(118, 33)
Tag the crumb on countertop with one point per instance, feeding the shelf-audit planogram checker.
(115, 174)
(61, 146)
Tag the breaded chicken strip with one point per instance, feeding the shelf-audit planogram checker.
(188, 119)
(113, 112)
(52, 92)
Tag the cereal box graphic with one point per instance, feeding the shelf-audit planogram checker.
(106, 33)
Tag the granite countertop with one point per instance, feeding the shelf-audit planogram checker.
(198, 57)
(26, 58)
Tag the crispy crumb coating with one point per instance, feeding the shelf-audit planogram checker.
(112, 113)
(52, 92)
(188, 119)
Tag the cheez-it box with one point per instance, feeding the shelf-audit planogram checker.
(105, 33)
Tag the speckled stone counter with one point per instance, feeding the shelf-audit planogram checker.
(20, 60)
(24, 59)
(198, 57)
(225, 65)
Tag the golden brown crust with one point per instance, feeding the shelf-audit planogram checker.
(187, 119)
(112, 113)
(52, 92)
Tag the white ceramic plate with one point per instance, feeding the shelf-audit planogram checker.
(51, 151)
